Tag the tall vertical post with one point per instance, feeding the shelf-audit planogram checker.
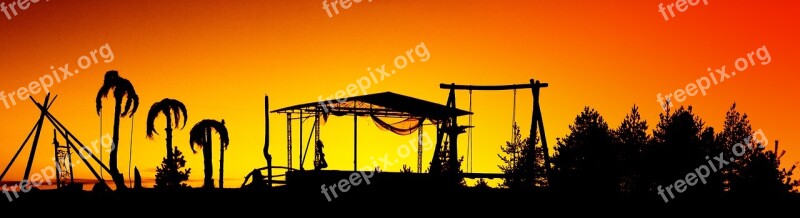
(289, 139)
(453, 132)
(470, 153)
(539, 121)
(436, 162)
(57, 160)
(267, 157)
(317, 149)
(221, 166)
(69, 157)
(355, 141)
(534, 122)
(300, 153)
(221, 160)
(419, 148)
(442, 128)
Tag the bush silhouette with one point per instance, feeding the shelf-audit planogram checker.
(164, 173)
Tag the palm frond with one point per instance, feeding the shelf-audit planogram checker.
(108, 83)
(170, 108)
(135, 103)
(197, 136)
(122, 88)
(224, 140)
(151, 117)
(125, 88)
(177, 108)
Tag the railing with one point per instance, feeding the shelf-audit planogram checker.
(268, 180)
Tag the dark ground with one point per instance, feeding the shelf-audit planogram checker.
(388, 195)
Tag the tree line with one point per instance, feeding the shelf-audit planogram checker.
(627, 161)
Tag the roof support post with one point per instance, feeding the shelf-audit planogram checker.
(355, 142)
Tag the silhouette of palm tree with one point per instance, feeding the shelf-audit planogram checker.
(172, 109)
(122, 88)
(201, 135)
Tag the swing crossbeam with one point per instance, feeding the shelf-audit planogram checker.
(493, 88)
(537, 124)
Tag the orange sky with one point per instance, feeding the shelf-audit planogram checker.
(221, 57)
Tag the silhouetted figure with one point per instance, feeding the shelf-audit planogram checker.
(322, 164)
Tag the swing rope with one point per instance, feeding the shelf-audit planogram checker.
(130, 154)
(469, 136)
(514, 116)
(101, 138)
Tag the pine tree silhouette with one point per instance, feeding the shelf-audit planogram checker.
(521, 170)
(632, 139)
(586, 159)
(164, 179)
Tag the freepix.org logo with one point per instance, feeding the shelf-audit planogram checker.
(56, 76)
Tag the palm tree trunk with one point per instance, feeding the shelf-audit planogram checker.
(209, 168)
(173, 171)
(221, 164)
(119, 181)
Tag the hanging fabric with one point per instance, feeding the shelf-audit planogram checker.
(404, 127)
(329, 111)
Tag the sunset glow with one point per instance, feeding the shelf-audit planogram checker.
(220, 58)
